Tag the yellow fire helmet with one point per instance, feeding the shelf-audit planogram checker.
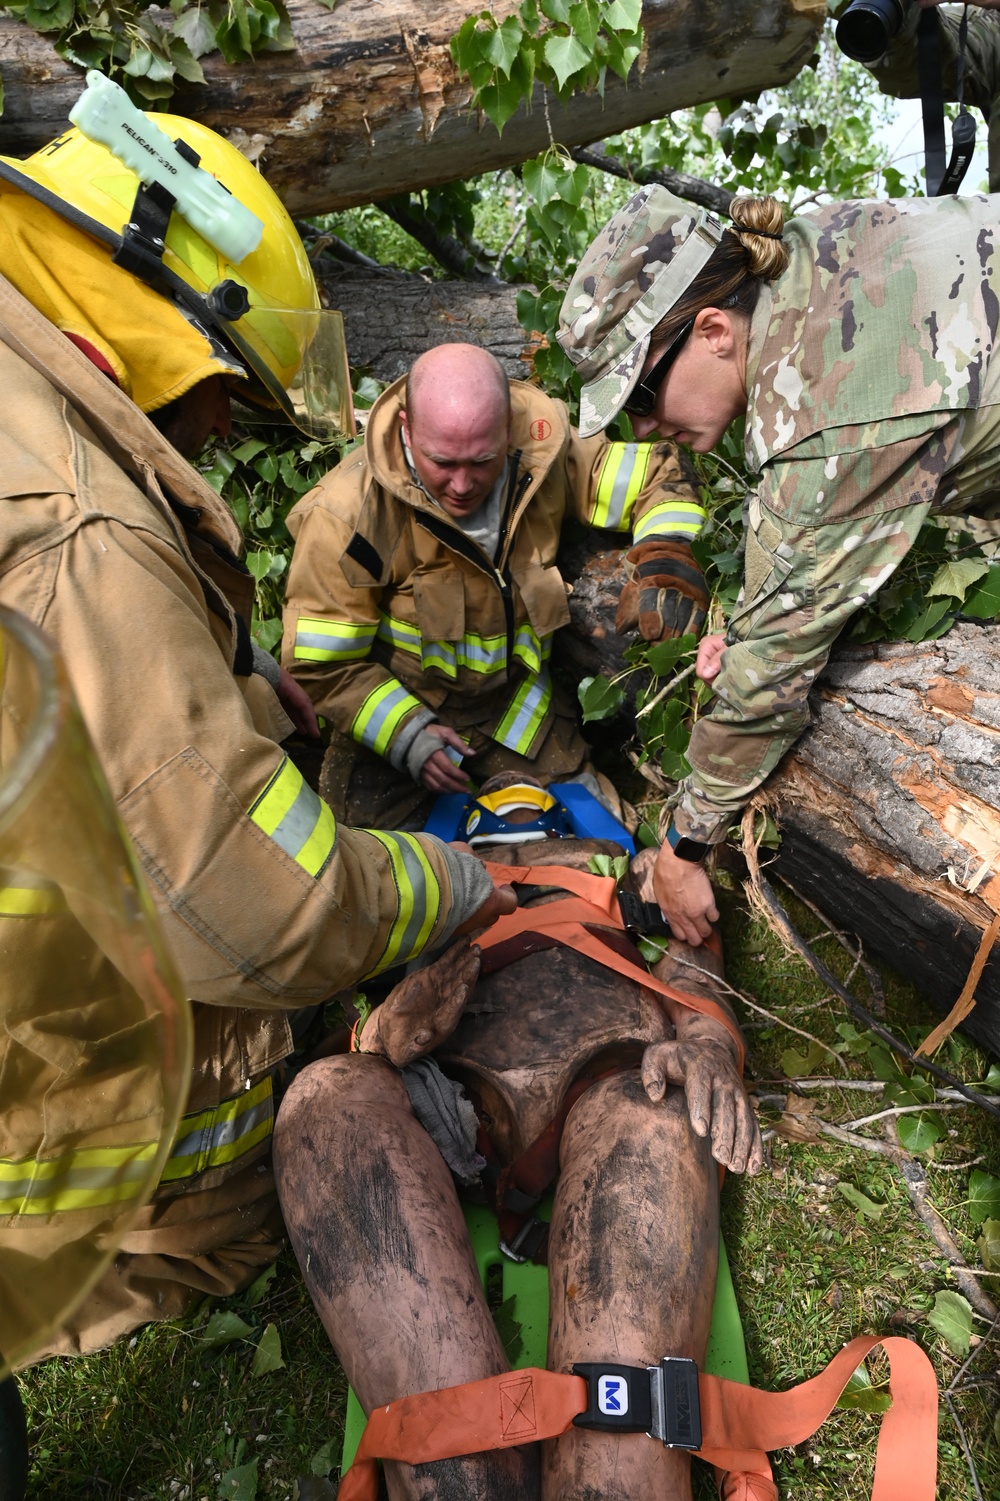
(182, 209)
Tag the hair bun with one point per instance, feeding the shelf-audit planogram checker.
(758, 225)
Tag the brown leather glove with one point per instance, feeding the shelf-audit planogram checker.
(666, 594)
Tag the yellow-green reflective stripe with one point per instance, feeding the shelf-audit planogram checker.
(418, 897)
(216, 1137)
(671, 518)
(24, 898)
(439, 654)
(85, 1179)
(519, 726)
(318, 640)
(528, 648)
(380, 715)
(400, 634)
(298, 821)
(623, 475)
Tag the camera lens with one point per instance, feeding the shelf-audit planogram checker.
(867, 27)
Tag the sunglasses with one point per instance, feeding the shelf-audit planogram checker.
(642, 398)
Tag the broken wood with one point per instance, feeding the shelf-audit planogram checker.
(370, 103)
(889, 809)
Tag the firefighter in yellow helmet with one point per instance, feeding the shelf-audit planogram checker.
(130, 307)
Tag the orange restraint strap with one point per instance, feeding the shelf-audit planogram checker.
(568, 922)
(738, 1422)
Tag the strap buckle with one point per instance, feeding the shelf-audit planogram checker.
(661, 1401)
(642, 918)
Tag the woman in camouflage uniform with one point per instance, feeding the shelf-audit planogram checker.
(858, 344)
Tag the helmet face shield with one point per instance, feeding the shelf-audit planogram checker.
(299, 358)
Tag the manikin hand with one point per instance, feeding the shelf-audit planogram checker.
(422, 1011)
(439, 773)
(716, 1100)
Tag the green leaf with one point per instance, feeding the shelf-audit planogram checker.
(918, 1133)
(223, 1327)
(268, 1355)
(955, 577)
(240, 1484)
(796, 1065)
(653, 949)
(195, 27)
(992, 1080)
(248, 450)
(989, 1245)
(983, 601)
(609, 865)
(267, 634)
(663, 657)
(860, 1395)
(500, 101)
(260, 563)
(565, 56)
(504, 44)
(623, 15)
(599, 698)
(861, 1202)
(257, 1290)
(324, 1459)
(951, 1316)
(984, 1196)
(185, 62)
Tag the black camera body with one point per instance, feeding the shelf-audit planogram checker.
(867, 27)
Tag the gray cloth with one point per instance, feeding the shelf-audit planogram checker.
(265, 666)
(470, 888)
(421, 747)
(447, 1116)
(402, 744)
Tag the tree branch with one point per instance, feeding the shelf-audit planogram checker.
(695, 189)
(855, 1007)
(469, 261)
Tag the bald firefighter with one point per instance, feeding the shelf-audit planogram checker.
(423, 595)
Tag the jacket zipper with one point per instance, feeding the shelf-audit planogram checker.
(452, 536)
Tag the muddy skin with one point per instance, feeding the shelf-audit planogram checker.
(375, 1221)
(423, 1010)
(632, 1260)
(392, 1277)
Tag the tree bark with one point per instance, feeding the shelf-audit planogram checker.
(370, 103)
(389, 321)
(889, 809)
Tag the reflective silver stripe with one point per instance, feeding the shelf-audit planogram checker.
(296, 827)
(384, 715)
(531, 712)
(223, 1133)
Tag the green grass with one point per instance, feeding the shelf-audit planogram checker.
(166, 1416)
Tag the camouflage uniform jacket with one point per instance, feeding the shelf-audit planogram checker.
(898, 74)
(873, 401)
(395, 617)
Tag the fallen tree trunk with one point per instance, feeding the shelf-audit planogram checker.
(370, 103)
(889, 809)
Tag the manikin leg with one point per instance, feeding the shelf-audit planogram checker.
(376, 1225)
(633, 1253)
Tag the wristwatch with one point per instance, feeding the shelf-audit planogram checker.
(684, 848)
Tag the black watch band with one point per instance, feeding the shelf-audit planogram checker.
(684, 848)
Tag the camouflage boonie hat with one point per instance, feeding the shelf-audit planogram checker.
(641, 263)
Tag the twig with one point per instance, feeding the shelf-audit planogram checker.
(866, 1086)
(646, 708)
(518, 227)
(465, 260)
(870, 972)
(755, 1006)
(965, 1446)
(866, 1120)
(694, 189)
(855, 1007)
(849, 1139)
(914, 1176)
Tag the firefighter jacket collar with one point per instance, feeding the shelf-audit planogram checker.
(539, 431)
(128, 435)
